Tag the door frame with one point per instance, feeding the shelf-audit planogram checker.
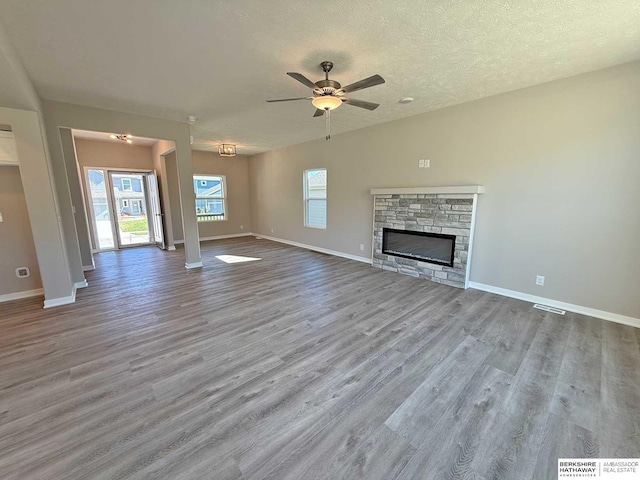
(114, 223)
(112, 206)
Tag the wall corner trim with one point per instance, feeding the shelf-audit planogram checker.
(86, 268)
(57, 302)
(316, 249)
(454, 190)
(82, 284)
(590, 312)
(171, 248)
(20, 295)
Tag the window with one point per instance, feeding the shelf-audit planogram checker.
(126, 184)
(315, 198)
(210, 197)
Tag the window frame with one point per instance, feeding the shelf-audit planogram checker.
(307, 199)
(223, 180)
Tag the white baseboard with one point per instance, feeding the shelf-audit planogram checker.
(57, 302)
(590, 312)
(171, 248)
(86, 268)
(193, 265)
(317, 249)
(82, 284)
(20, 295)
(217, 237)
(220, 237)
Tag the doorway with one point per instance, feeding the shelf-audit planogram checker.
(124, 207)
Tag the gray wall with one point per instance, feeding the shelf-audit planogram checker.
(77, 199)
(93, 153)
(16, 239)
(561, 166)
(42, 204)
(57, 114)
(173, 186)
(158, 150)
(236, 171)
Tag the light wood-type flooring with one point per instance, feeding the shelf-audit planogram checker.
(302, 366)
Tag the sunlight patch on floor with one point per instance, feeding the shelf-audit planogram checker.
(236, 258)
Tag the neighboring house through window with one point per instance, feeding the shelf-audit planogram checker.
(129, 194)
(315, 198)
(210, 193)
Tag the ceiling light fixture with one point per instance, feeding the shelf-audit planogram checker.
(227, 150)
(122, 138)
(326, 102)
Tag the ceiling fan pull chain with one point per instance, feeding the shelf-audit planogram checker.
(327, 115)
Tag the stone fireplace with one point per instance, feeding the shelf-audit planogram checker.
(426, 231)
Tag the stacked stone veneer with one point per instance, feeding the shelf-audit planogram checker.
(446, 214)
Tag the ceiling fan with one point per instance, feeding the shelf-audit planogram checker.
(329, 94)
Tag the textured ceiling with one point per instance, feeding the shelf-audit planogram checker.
(220, 60)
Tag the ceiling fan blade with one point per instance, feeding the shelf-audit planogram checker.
(361, 103)
(287, 99)
(366, 83)
(318, 113)
(302, 79)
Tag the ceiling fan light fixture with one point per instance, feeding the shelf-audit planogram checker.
(122, 137)
(326, 102)
(227, 150)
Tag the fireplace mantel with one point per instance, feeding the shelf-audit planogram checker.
(455, 189)
(445, 211)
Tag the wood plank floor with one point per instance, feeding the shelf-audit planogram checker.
(299, 365)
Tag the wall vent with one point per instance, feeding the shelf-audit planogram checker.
(547, 308)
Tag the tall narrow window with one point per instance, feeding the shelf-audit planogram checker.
(210, 197)
(315, 198)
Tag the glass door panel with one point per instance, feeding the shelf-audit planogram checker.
(130, 204)
(100, 211)
(154, 207)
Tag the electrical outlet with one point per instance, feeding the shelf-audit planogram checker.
(420, 163)
(539, 280)
(23, 272)
(272, 230)
(1, 219)
(427, 162)
(362, 247)
(241, 227)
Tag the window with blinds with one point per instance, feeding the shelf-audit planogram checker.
(315, 198)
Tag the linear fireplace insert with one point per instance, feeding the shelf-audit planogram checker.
(426, 247)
